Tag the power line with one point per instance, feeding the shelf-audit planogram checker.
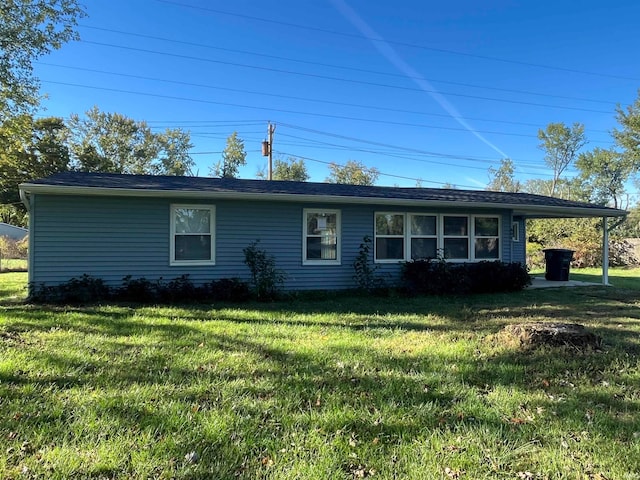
(290, 97)
(403, 44)
(342, 67)
(388, 154)
(346, 80)
(395, 147)
(297, 112)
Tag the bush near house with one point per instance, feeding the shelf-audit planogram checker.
(88, 289)
(437, 277)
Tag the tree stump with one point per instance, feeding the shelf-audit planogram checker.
(532, 335)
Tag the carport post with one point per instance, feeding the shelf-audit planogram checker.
(605, 252)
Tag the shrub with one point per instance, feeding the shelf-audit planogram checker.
(437, 277)
(228, 290)
(267, 280)
(85, 289)
(365, 271)
(180, 290)
(495, 277)
(139, 290)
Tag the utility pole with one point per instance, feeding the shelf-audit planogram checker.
(267, 149)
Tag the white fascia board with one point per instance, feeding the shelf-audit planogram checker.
(533, 211)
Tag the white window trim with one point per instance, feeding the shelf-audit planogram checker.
(473, 238)
(470, 237)
(403, 237)
(337, 213)
(409, 236)
(172, 235)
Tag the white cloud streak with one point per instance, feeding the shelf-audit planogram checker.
(392, 56)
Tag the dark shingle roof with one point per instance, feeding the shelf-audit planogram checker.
(116, 184)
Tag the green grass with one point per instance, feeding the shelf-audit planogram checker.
(335, 388)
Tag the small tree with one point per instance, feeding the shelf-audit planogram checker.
(503, 178)
(605, 171)
(233, 157)
(352, 173)
(293, 169)
(267, 280)
(364, 269)
(561, 145)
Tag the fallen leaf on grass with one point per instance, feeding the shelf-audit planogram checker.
(526, 475)
(455, 474)
(191, 457)
(453, 448)
(359, 470)
(517, 421)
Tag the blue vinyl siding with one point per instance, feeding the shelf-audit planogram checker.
(111, 237)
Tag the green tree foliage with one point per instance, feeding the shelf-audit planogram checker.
(568, 189)
(293, 169)
(29, 30)
(628, 136)
(114, 143)
(584, 235)
(561, 145)
(503, 178)
(234, 156)
(30, 149)
(630, 228)
(352, 173)
(604, 173)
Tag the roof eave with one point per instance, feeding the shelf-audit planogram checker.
(528, 211)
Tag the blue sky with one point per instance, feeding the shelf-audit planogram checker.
(437, 91)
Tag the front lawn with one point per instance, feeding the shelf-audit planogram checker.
(337, 387)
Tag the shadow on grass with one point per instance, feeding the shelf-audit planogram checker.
(340, 393)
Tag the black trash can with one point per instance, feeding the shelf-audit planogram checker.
(558, 263)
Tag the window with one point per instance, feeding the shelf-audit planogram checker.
(416, 236)
(389, 236)
(423, 236)
(455, 237)
(192, 235)
(321, 242)
(486, 238)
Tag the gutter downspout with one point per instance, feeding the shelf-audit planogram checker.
(605, 252)
(27, 199)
